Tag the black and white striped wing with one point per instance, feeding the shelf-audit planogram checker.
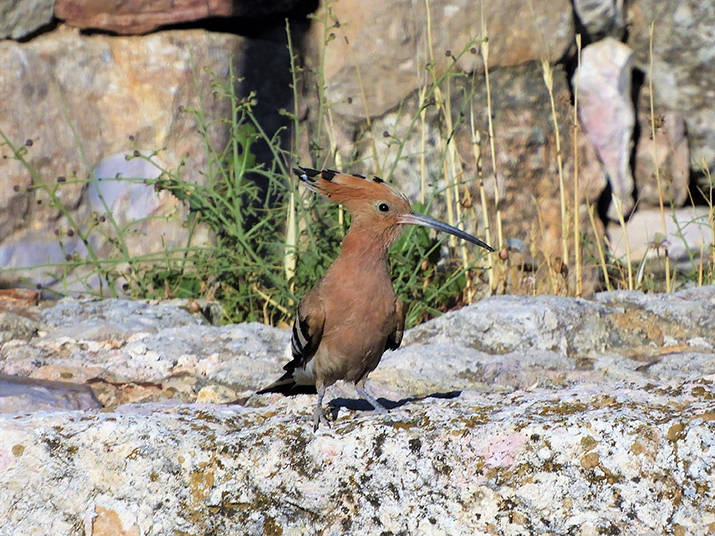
(306, 334)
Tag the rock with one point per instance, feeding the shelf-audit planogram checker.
(19, 309)
(119, 190)
(137, 87)
(135, 351)
(421, 371)
(139, 16)
(513, 323)
(666, 319)
(683, 71)
(601, 18)
(13, 326)
(606, 111)
(114, 318)
(376, 52)
(18, 297)
(20, 18)
(687, 233)
(668, 150)
(619, 459)
(132, 351)
(513, 415)
(24, 395)
(613, 321)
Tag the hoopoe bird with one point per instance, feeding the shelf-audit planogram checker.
(352, 316)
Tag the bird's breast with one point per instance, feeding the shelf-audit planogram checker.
(359, 318)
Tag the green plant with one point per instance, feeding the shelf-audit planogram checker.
(110, 269)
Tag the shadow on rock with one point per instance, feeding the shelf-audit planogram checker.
(358, 404)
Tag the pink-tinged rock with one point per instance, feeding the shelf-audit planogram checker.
(142, 16)
(603, 82)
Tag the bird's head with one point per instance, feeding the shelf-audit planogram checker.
(375, 205)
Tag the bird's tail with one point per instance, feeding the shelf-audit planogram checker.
(286, 385)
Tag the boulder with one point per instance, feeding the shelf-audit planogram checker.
(375, 52)
(523, 415)
(589, 459)
(686, 235)
(602, 18)
(607, 113)
(70, 102)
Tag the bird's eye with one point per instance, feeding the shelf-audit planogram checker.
(383, 207)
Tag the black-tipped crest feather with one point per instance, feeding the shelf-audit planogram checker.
(300, 171)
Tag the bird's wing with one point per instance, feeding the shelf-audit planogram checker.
(395, 338)
(307, 330)
(304, 341)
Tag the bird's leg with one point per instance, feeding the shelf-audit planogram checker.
(318, 414)
(360, 388)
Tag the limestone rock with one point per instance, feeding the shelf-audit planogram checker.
(19, 18)
(628, 459)
(118, 94)
(132, 351)
(666, 152)
(17, 298)
(121, 187)
(14, 326)
(687, 233)
(376, 52)
(24, 395)
(114, 318)
(683, 71)
(524, 415)
(602, 18)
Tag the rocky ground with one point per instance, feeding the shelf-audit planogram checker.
(517, 415)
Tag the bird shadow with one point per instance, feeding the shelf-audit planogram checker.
(359, 404)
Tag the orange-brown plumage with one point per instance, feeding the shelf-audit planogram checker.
(351, 316)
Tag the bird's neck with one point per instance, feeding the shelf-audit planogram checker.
(361, 268)
(364, 251)
(366, 242)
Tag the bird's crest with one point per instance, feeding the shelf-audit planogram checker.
(347, 189)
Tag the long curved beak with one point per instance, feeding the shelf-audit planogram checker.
(415, 218)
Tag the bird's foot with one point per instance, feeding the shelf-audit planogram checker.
(378, 408)
(319, 418)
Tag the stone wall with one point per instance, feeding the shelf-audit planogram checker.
(83, 84)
